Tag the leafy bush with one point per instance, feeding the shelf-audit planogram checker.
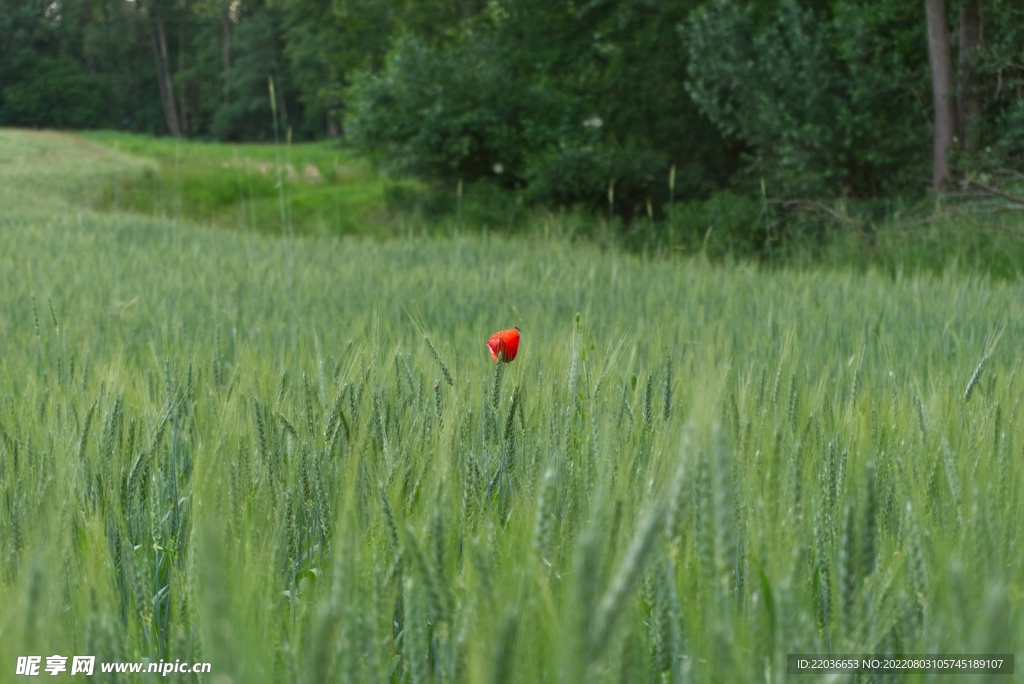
(445, 115)
(825, 103)
(56, 93)
(1000, 132)
(556, 101)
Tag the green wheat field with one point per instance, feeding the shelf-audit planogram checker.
(293, 458)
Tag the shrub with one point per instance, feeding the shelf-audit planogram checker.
(825, 104)
(56, 93)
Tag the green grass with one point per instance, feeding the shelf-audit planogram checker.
(238, 448)
(324, 188)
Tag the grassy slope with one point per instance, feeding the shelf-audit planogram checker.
(325, 189)
(234, 186)
(229, 447)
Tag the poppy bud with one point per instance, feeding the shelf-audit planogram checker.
(504, 345)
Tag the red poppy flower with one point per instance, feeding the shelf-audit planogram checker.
(504, 345)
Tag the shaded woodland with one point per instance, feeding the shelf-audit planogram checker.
(566, 102)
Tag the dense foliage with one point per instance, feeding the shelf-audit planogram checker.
(824, 103)
(829, 98)
(557, 99)
(560, 101)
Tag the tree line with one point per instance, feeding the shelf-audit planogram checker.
(563, 101)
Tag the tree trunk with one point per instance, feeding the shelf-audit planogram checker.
(158, 38)
(90, 57)
(225, 47)
(937, 12)
(333, 129)
(182, 96)
(968, 93)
